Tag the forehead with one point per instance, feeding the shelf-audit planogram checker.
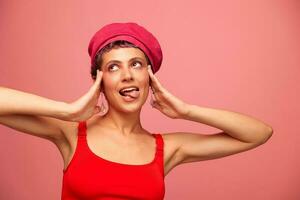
(123, 54)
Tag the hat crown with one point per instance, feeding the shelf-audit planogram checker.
(131, 32)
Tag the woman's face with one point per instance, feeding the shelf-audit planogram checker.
(125, 67)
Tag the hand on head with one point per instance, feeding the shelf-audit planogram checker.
(86, 106)
(164, 101)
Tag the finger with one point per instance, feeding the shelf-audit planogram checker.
(152, 99)
(98, 79)
(94, 90)
(154, 104)
(154, 81)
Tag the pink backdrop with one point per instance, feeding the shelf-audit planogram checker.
(237, 55)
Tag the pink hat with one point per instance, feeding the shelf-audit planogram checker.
(131, 32)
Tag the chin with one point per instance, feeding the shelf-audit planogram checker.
(131, 106)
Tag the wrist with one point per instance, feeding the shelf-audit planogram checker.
(187, 111)
(64, 111)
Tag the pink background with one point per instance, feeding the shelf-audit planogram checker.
(241, 56)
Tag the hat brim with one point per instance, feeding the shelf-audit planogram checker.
(132, 40)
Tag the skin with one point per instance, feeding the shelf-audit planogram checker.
(119, 133)
(118, 75)
(120, 129)
(120, 137)
(123, 115)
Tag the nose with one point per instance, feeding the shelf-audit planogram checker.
(127, 74)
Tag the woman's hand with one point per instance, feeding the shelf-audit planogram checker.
(164, 101)
(86, 106)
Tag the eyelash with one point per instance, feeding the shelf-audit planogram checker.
(110, 66)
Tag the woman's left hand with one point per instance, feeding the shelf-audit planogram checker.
(164, 101)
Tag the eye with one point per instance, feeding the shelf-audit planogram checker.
(139, 63)
(110, 67)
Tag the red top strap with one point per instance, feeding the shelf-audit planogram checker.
(89, 176)
(82, 128)
(159, 142)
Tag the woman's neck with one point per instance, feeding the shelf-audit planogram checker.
(126, 123)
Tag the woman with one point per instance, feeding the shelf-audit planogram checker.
(111, 156)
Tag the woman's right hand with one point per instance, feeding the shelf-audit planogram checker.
(86, 106)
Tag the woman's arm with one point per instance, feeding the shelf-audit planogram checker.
(239, 132)
(238, 126)
(33, 114)
(18, 102)
(42, 117)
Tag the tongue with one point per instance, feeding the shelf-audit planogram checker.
(133, 94)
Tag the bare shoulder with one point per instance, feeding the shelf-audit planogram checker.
(171, 146)
(172, 140)
(70, 130)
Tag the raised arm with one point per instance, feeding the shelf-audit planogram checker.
(18, 102)
(43, 117)
(239, 132)
(32, 114)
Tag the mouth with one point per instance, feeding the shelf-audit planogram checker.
(130, 93)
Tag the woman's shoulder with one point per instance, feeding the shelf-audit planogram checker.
(169, 140)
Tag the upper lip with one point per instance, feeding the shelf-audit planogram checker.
(129, 87)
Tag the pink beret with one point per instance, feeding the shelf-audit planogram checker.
(131, 32)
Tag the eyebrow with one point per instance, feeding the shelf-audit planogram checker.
(117, 61)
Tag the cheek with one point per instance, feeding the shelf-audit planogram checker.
(108, 81)
(145, 82)
(144, 76)
(108, 85)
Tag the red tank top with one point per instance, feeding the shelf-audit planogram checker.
(90, 177)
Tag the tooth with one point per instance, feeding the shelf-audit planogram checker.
(128, 89)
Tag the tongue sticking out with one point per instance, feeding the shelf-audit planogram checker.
(133, 94)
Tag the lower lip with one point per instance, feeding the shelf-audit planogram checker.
(128, 98)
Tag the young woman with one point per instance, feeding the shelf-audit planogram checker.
(111, 156)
